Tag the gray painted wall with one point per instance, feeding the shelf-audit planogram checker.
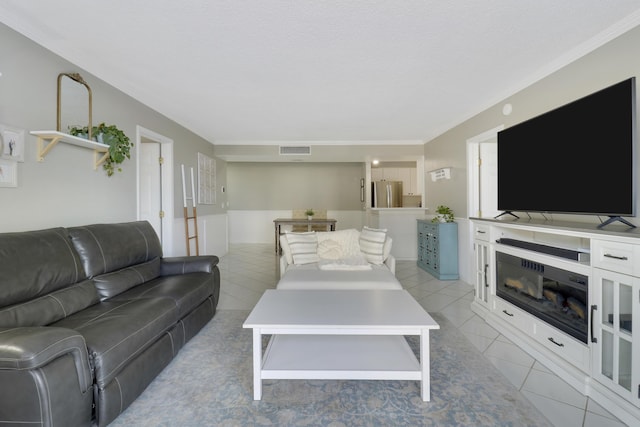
(277, 186)
(609, 64)
(65, 190)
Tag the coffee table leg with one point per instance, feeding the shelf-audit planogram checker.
(257, 364)
(425, 364)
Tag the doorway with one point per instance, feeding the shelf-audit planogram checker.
(482, 164)
(482, 176)
(155, 184)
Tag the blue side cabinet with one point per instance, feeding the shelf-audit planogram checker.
(438, 249)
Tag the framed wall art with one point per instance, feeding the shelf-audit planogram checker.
(206, 180)
(8, 173)
(11, 143)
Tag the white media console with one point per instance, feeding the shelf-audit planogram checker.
(601, 357)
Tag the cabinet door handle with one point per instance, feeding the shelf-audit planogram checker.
(481, 232)
(559, 344)
(593, 309)
(486, 281)
(507, 313)
(622, 258)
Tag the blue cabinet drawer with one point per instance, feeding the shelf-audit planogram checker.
(438, 249)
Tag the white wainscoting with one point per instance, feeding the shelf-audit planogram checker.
(258, 227)
(402, 226)
(466, 254)
(216, 232)
(213, 236)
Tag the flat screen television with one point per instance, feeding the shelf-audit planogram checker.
(576, 159)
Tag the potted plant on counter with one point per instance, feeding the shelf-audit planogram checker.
(310, 213)
(443, 214)
(119, 144)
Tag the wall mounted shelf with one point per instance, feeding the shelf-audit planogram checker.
(47, 139)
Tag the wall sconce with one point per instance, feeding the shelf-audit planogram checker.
(442, 173)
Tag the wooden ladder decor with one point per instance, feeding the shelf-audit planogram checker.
(187, 217)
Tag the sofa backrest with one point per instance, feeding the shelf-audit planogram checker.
(40, 273)
(104, 248)
(118, 256)
(333, 245)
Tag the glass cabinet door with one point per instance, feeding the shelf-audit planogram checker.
(615, 311)
(482, 266)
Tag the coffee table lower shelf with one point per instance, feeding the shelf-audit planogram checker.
(340, 335)
(340, 357)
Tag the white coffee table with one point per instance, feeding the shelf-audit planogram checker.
(339, 334)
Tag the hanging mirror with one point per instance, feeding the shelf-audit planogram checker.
(75, 95)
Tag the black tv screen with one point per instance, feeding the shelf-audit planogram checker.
(576, 159)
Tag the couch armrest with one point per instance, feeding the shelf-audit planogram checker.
(188, 264)
(283, 265)
(391, 263)
(27, 348)
(46, 377)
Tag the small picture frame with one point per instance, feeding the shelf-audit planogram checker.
(8, 173)
(11, 143)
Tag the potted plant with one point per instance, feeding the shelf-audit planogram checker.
(444, 214)
(310, 214)
(119, 143)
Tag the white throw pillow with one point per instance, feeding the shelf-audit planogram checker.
(372, 244)
(286, 251)
(329, 249)
(347, 239)
(303, 246)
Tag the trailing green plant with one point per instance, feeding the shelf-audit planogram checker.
(444, 214)
(118, 142)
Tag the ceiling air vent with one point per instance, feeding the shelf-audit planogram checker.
(295, 150)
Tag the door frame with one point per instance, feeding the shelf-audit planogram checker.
(473, 178)
(167, 183)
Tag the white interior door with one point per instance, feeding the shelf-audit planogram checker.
(151, 184)
(482, 167)
(155, 184)
(482, 175)
(488, 178)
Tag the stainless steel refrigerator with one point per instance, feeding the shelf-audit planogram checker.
(386, 194)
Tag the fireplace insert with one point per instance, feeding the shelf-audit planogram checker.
(557, 296)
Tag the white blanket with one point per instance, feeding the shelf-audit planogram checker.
(357, 263)
(309, 276)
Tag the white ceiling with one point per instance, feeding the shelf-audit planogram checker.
(240, 71)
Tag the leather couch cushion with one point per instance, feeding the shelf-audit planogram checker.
(36, 263)
(118, 331)
(104, 248)
(116, 282)
(50, 308)
(186, 290)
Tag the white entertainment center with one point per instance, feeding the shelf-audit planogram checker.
(607, 366)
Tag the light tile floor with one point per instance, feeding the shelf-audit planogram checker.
(249, 269)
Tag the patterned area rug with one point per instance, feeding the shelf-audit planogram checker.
(210, 384)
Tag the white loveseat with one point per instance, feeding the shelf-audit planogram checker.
(343, 259)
